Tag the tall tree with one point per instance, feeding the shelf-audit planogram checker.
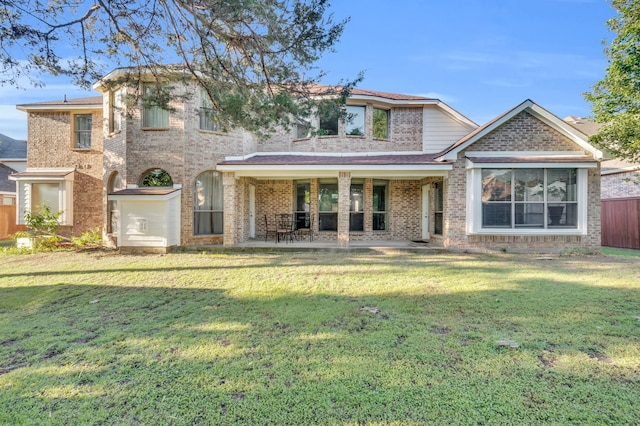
(615, 100)
(255, 58)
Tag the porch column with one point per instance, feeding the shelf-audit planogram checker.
(344, 204)
(230, 208)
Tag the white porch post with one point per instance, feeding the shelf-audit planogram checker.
(230, 208)
(344, 190)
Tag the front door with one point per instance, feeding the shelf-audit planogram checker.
(252, 211)
(425, 212)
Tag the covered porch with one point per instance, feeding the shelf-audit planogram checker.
(346, 201)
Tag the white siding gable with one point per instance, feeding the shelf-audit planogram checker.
(440, 130)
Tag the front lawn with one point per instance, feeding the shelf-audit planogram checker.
(308, 338)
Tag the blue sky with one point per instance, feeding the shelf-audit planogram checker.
(482, 57)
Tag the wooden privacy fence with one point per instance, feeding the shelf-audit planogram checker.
(8, 221)
(621, 223)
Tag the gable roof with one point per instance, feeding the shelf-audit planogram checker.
(12, 148)
(532, 108)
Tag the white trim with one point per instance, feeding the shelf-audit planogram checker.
(543, 115)
(144, 197)
(499, 154)
(532, 165)
(474, 210)
(318, 154)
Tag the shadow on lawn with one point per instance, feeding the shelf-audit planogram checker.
(95, 354)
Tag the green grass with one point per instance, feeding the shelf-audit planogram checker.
(620, 252)
(308, 338)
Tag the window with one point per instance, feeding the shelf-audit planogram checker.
(82, 131)
(303, 129)
(156, 177)
(328, 205)
(53, 187)
(115, 111)
(114, 184)
(438, 207)
(354, 124)
(380, 123)
(356, 209)
(303, 204)
(529, 198)
(208, 204)
(328, 115)
(208, 117)
(379, 205)
(154, 116)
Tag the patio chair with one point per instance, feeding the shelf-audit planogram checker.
(307, 229)
(284, 227)
(268, 230)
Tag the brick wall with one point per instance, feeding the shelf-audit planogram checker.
(620, 185)
(523, 133)
(50, 145)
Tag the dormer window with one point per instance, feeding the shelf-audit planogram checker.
(82, 131)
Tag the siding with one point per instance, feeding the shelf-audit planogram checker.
(440, 130)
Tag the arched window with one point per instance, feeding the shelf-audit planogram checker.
(156, 177)
(208, 204)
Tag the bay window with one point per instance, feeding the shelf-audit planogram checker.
(530, 199)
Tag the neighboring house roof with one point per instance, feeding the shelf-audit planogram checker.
(534, 109)
(91, 102)
(12, 148)
(585, 125)
(5, 184)
(610, 167)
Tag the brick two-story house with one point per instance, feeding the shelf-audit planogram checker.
(401, 168)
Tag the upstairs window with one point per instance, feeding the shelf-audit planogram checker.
(381, 123)
(154, 116)
(208, 117)
(82, 131)
(303, 129)
(115, 111)
(354, 123)
(328, 115)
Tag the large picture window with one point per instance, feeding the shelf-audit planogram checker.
(328, 115)
(529, 198)
(208, 204)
